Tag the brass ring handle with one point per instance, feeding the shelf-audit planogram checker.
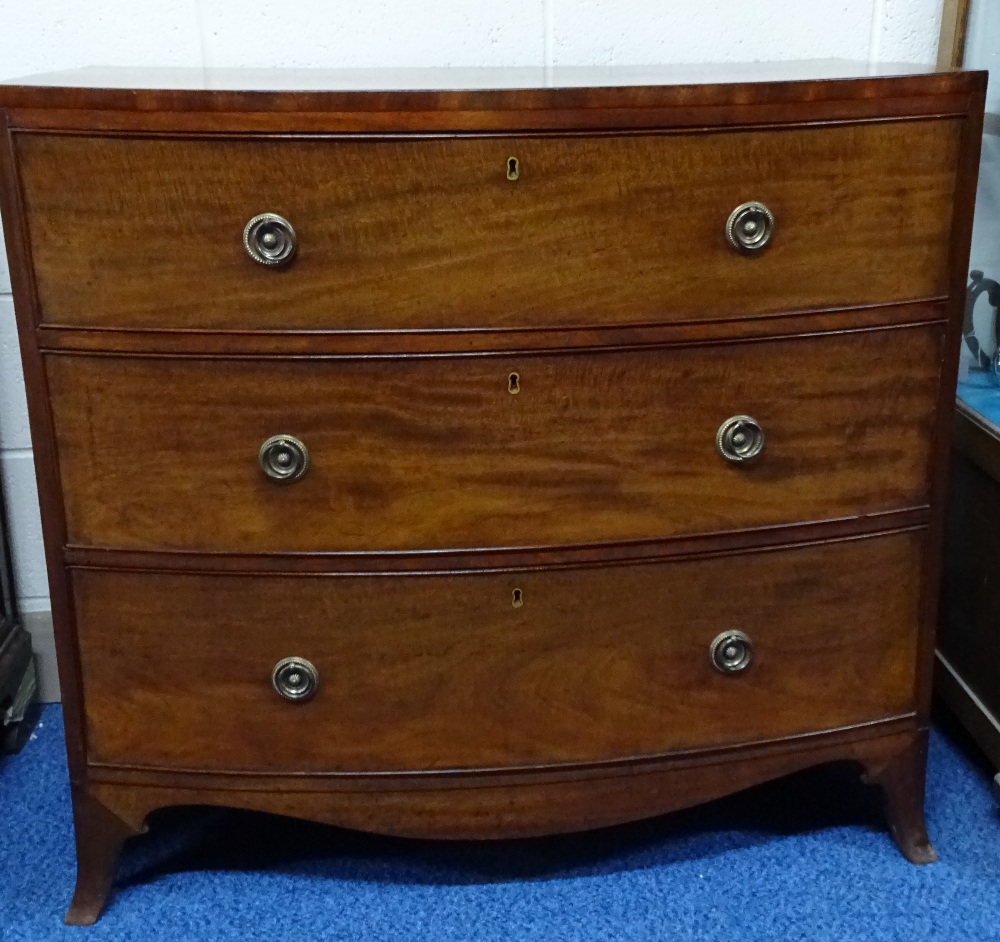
(283, 458)
(750, 227)
(740, 438)
(731, 652)
(270, 240)
(295, 679)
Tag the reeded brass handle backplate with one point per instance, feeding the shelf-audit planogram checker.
(270, 240)
(739, 439)
(750, 227)
(295, 679)
(731, 652)
(283, 458)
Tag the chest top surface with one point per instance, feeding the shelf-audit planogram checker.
(415, 90)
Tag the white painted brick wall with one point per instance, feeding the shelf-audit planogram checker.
(616, 32)
(43, 35)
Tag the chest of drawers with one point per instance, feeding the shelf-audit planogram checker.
(487, 462)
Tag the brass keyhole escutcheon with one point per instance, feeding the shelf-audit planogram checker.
(513, 384)
(513, 168)
(516, 598)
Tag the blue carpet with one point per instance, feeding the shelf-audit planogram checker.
(979, 391)
(805, 858)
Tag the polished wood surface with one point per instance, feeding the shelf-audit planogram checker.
(511, 808)
(451, 99)
(157, 358)
(432, 234)
(324, 343)
(43, 453)
(757, 78)
(442, 672)
(901, 776)
(436, 453)
(520, 805)
(100, 834)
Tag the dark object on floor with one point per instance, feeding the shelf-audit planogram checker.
(18, 680)
(968, 656)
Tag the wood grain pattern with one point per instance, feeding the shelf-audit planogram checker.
(43, 448)
(441, 672)
(157, 358)
(435, 453)
(525, 805)
(100, 834)
(430, 233)
(497, 99)
(901, 779)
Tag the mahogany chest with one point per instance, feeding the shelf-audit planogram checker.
(488, 454)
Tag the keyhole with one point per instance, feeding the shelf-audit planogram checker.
(513, 168)
(513, 384)
(517, 598)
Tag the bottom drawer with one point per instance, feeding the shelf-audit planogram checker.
(494, 669)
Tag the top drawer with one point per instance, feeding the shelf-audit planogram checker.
(430, 232)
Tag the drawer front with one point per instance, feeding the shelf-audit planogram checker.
(438, 453)
(440, 672)
(431, 233)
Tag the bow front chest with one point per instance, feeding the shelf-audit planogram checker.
(487, 454)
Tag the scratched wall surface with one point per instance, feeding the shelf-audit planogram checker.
(42, 36)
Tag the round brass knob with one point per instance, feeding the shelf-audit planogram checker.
(283, 458)
(270, 240)
(295, 679)
(739, 439)
(750, 227)
(731, 652)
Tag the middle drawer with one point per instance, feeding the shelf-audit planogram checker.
(490, 451)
